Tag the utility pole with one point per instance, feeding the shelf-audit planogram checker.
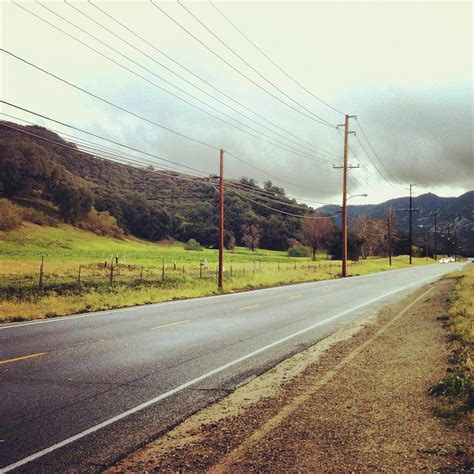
(389, 226)
(410, 213)
(221, 220)
(345, 168)
(435, 235)
(410, 210)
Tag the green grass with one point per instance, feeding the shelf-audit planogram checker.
(138, 277)
(458, 387)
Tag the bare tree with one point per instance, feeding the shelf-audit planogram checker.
(315, 230)
(251, 236)
(372, 231)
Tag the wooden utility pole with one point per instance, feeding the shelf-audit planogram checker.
(410, 211)
(389, 229)
(345, 169)
(221, 220)
(435, 235)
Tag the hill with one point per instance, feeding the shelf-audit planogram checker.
(146, 202)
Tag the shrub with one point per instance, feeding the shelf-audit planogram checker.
(101, 223)
(192, 244)
(293, 243)
(40, 218)
(299, 251)
(11, 215)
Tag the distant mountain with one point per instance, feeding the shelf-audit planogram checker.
(455, 217)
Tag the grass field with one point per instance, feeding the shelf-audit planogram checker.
(146, 272)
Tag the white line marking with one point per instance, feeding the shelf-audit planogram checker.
(196, 380)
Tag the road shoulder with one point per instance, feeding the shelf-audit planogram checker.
(355, 401)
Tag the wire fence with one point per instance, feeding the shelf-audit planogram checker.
(101, 275)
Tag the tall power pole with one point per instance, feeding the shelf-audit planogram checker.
(345, 169)
(221, 219)
(389, 229)
(435, 235)
(410, 211)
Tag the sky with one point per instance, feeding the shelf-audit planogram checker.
(404, 69)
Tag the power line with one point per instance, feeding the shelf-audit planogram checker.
(108, 102)
(285, 147)
(134, 162)
(204, 81)
(238, 158)
(118, 159)
(372, 161)
(127, 146)
(259, 190)
(320, 119)
(100, 137)
(266, 198)
(184, 79)
(282, 212)
(375, 154)
(237, 70)
(273, 62)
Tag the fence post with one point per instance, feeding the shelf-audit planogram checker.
(183, 269)
(174, 266)
(40, 282)
(200, 269)
(79, 276)
(278, 267)
(231, 270)
(163, 270)
(111, 277)
(141, 273)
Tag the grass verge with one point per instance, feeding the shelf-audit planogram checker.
(456, 391)
(77, 271)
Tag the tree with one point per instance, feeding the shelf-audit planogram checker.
(372, 232)
(354, 243)
(251, 236)
(316, 230)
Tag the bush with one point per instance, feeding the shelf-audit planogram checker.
(299, 251)
(192, 244)
(101, 223)
(40, 218)
(11, 215)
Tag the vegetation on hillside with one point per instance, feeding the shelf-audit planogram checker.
(58, 182)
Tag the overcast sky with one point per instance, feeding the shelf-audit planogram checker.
(405, 70)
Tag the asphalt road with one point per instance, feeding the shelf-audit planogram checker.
(81, 392)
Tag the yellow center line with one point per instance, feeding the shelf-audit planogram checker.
(172, 324)
(6, 361)
(295, 296)
(249, 307)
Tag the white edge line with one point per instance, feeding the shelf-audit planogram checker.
(4, 326)
(196, 380)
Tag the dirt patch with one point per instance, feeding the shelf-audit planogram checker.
(356, 401)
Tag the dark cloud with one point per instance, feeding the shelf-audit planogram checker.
(424, 135)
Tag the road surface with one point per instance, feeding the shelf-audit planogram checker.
(82, 391)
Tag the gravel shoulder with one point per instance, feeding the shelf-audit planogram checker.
(356, 401)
